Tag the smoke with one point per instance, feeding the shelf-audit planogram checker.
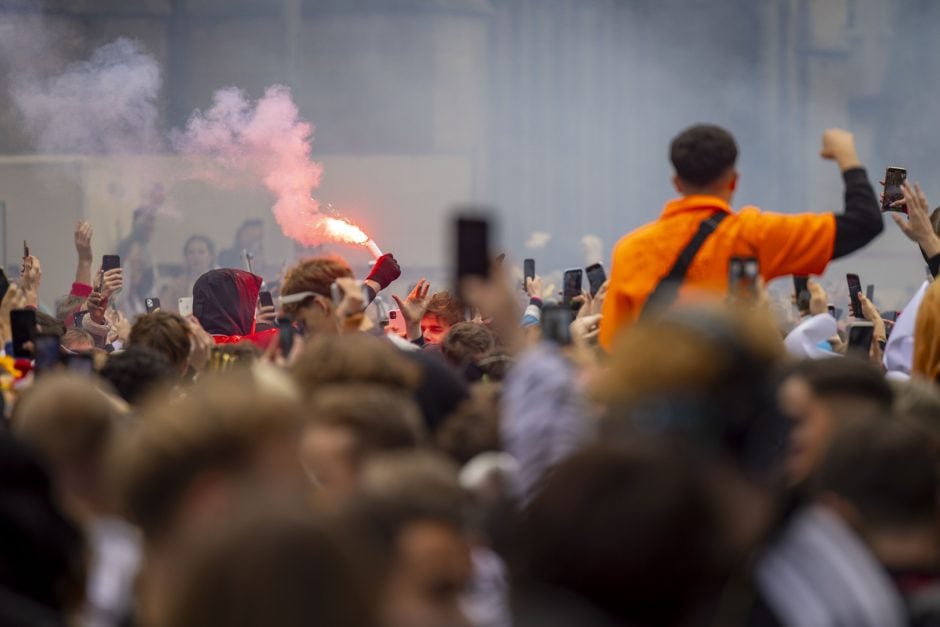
(236, 143)
(593, 247)
(105, 105)
(538, 239)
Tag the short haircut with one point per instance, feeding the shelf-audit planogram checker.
(311, 572)
(447, 307)
(846, 378)
(316, 275)
(702, 153)
(466, 342)
(137, 372)
(886, 470)
(165, 333)
(220, 426)
(77, 336)
(917, 403)
(49, 324)
(354, 358)
(472, 429)
(380, 418)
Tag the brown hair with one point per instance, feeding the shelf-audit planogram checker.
(466, 342)
(165, 333)
(315, 275)
(445, 306)
(381, 418)
(220, 426)
(473, 428)
(354, 358)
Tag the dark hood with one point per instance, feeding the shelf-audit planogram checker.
(224, 301)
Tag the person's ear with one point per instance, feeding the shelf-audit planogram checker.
(733, 185)
(677, 183)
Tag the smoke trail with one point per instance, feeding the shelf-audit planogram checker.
(593, 247)
(105, 105)
(235, 143)
(538, 239)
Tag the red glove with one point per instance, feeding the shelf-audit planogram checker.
(385, 270)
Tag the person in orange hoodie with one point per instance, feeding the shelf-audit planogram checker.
(689, 247)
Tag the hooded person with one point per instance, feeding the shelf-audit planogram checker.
(224, 302)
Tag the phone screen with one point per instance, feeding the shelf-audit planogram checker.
(801, 290)
(528, 271)
(894, 179)
(596, 277)
(23, 326)
(572, 286)
(110, 262)
(48, 352)
(860, 336)
(266, 299)
(743, 273)
(186, 306)
(855, 288)
(870, 292)
(473, 248)
(556, 323)
(152, 304)
(285, 335)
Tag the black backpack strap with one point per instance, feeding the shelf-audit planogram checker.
(666, 290)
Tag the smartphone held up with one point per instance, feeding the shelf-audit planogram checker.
(894, 180)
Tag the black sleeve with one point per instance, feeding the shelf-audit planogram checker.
(934, 264)
(861, 221)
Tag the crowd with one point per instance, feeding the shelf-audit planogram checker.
(670, 454)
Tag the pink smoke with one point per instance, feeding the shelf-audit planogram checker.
(235, 143)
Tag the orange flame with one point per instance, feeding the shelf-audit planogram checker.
(343, 230)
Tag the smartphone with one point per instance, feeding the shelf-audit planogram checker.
(596, 277)
(528, 272)
(870, 293)
(835, 312)
(855, 288)
(48, 352)
(556, 323)
(396, 323)
(743, 273)
(186, 306)
(23, 326)
(894, 179)
(110, 262)
(571, 287)
(473, 247)
(152, 304)
(801, 290)
(285, 335)
(860, 333)
(266, 299)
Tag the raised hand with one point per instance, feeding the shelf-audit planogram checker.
(818, 299)
(414, 307)
(83, 233)
(917, 227)
(839, 146)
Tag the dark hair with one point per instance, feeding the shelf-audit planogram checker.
(49, 324)
(247, 224)
(137, 371)
(629, 530)
(852, 378)
(886, 470)
(165, 333)
(200, 238)
(466, 342)
(702, 153)
(445, 306)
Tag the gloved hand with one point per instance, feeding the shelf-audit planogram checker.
(385, 270)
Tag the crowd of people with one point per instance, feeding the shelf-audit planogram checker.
(673, 454)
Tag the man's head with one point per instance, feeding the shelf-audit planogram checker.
(199, 254)
(443, 312)
(823, 396)
(703, 157)
(466, 343)
(165, 333)
(305, 292)
(351, 423)
(138, 372)
(78, 341)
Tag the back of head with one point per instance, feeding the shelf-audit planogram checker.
(165, 333)
(67, 419)
(917, 403)
(703, 375)
(927, 336)
(628, 530)
(886, 471)
(137, 372)
(850, 386)
(229, 427)
(353, 358)
(224, 301)
(49, 325)
(315, 275)
(466, 342)
(703, 153)
(272, 567)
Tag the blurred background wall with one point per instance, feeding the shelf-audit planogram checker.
(556, 112)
